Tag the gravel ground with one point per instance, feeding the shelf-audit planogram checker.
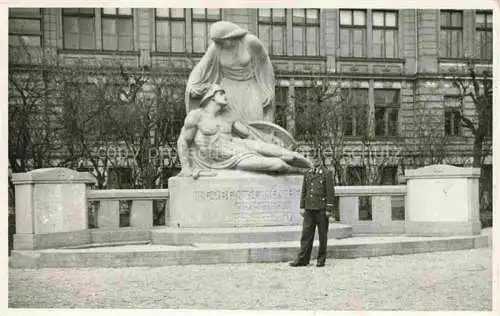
(455, 280)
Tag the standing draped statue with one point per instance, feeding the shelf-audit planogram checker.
(239, 63)
(236, 63)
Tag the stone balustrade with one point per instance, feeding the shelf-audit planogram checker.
(141, 206)
(372, 209)
(383, 212)
(52, 207)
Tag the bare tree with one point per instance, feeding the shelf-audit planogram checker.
(80, 114)
(32, 113)
(479, 88)
(319, 110)
(148, 113)
(424, 139)
(85, 120)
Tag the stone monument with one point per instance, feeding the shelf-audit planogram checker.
(442, 200)
(238, 167)
(51, 208)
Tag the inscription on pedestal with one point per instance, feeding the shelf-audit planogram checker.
(257, 206)
(235, 201)
(279, 194)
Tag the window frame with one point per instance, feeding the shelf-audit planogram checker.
(80, 15)
(25, 16)
(447, 109)
(304, 27)
(281, 106)
(271, 24)
(385, 28)
(392, 170)
(169, 20)
(117, 17)
(118, 173)
(355, 112)
(351, 27)
(388, 108)
(486, 29)
(300, 107)
(207, 21)
(449, 31)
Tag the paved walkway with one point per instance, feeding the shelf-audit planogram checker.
(454, 280)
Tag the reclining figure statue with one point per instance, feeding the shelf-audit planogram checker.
(208, 141)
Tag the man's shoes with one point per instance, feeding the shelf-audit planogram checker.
(320, 264)
(297, 264)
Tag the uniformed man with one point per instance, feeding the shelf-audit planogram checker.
(317, 205)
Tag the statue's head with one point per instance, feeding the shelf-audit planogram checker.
(216, 93)
(226, 34)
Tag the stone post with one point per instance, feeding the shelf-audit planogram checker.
(442, 200)
(51, 208)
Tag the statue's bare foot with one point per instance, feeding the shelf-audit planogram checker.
(186, 172)
(288, 158)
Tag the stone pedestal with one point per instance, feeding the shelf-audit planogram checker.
(442, 200)
(234, 199)
(51, 208)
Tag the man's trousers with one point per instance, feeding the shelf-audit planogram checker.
(313, 218)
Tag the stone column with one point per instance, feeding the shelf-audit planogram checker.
(442, 200)
(51, 208)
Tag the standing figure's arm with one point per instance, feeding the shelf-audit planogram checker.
(303, 192)
(264, 72)
(330, 192)
(205, 73)
(186, 137)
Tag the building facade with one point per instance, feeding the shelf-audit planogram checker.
(394, 59)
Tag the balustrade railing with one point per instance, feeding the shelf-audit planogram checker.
(112, 209)
(368, 209)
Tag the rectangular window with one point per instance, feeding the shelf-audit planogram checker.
(355, 119)
(119, 178)
(385, 34)
(356, 175)
(177, 112)
(451, 45)
(272, 30)
(452, 121)
(302, 99)
(386, 112)
(388, 175)
(353, 33)
(281, 101)
(25, 27)
(484, 35)
(305, 23)
(202, 20)
(117, 29)
(79, 28)
(170, 30)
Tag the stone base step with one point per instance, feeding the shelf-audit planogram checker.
(188, 236)
(213, 253)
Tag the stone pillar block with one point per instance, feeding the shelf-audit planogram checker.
(348, 208)
(50, 204)
(442, 200)
(381, 210)
(108, 215)
(141, 214)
